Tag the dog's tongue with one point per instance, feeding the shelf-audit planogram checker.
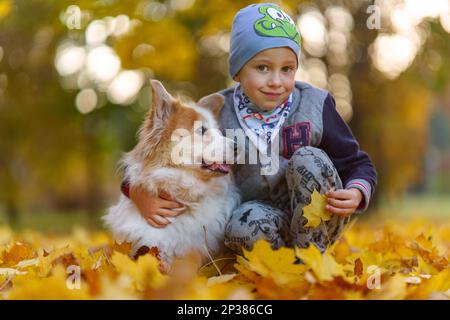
(219, 167)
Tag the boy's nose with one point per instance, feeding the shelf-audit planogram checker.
(275, 79)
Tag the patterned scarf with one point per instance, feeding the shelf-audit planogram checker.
(260, 126)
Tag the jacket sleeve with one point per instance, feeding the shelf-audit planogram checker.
(353, 165)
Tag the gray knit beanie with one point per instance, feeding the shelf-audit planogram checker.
(258, 27)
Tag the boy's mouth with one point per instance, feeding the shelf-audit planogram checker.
(271, 95)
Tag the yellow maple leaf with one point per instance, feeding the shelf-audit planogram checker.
(324, 266)
(116, 289)
(341, 250)
(277, 264)
(315, 212)
(395, 288)
(438, 283)
(144, 271)
(409, 263)
(48, 260)
(32, 287)
(17, 252)
(425, 248)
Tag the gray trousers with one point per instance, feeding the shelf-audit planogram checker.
(308, 169)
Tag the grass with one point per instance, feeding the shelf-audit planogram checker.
(55, 222)
(428, 206)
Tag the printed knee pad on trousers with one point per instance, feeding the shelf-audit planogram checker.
(311, 169)
(255, 220)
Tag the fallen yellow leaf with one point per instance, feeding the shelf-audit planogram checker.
(315, 212)
(374, 260)
(278, 264)
(324, 266)
(144, 271)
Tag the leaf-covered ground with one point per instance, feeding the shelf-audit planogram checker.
(391, 260)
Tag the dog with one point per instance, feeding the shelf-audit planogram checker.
(195, 179)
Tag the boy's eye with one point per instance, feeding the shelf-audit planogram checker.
(262, 67)
(287, 69)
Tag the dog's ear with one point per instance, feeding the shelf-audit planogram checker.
(214, 102)
(162, 102)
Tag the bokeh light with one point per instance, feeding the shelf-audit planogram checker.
(86, 100)
(125, 86)
(102, 64)
(70, 59)
(408, 36)
(312, 28)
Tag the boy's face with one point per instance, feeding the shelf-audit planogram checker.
(269, 77)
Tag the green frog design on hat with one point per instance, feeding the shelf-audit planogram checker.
(276, 23)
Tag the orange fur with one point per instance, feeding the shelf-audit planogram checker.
(205, 189)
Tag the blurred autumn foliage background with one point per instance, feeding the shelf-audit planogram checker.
(74, 88)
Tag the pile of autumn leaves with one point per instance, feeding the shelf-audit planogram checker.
(395, 260)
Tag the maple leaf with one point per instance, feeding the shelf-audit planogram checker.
(341, 250)
(358, 267)
(144, 271)
(394, 288)
(315, 212)
(18, 251)
(224, 264)
(278, 264)
(220, 279)
(430, 286)
(154, 251)
(123, 247)
(429, 253)
(407, 266)
(323, 265)
(66, 260)
(51, 259)
(51, 287)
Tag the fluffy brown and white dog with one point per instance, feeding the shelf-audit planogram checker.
(159, 162)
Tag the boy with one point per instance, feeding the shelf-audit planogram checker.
(316, 148)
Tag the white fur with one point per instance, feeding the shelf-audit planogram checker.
(201, 227)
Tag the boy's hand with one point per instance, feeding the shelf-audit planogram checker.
(155, 209)
(343, 202)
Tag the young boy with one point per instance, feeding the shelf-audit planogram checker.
(316, 147)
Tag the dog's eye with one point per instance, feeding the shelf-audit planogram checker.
(201, 131)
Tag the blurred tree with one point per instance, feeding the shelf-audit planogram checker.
(391, 117)
(50, 154)
(54, 156)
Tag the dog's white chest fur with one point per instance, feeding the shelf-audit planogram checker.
(201, 227)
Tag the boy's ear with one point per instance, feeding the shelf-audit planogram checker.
(162, 101)
(214, 102)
